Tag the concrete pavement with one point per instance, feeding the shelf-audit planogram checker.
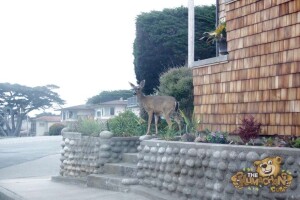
(42, 188)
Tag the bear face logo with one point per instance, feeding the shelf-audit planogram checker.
(268, 167)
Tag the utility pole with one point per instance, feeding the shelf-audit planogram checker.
(191, 32)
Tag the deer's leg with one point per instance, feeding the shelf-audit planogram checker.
(177, 120)
(168, 121)
(150, 115)
(156, 120)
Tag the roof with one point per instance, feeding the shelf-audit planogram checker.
(114, 102)
(52, 118)
(79, 107)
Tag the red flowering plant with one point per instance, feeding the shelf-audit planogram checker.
(249, 129)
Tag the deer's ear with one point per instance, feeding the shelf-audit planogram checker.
(142, 83)
(131, 85)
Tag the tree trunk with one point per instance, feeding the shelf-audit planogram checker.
(19, 125)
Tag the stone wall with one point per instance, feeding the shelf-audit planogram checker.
(84, 155)
(204, 171)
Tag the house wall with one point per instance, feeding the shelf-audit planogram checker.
(261, 75)
(106, 111)
(41, 130)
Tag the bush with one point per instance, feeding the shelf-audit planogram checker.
(56, 128)
(297, 143)
(218, 137)
(249, 129)
(178, 82)
(126, 124)
(88, 127)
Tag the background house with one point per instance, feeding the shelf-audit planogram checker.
(42, 124)
(102, 111)
(73, 113)
(110, 109)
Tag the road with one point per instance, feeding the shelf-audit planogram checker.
(29, 156)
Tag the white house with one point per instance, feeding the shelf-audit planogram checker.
(42, 124)
(102, 111)
(110, 109)
(73, 113)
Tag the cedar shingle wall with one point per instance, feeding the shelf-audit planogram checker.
(262, 75)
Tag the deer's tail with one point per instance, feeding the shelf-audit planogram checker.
(176, 106)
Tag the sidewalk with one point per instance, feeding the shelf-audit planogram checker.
(42, 188)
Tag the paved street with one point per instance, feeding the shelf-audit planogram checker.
(29, 156)
(27, 165)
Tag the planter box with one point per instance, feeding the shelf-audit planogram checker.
(215, 171)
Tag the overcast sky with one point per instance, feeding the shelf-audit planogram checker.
(82, 46)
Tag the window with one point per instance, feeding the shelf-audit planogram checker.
(98, 113)
(70, 114)
(112, 111)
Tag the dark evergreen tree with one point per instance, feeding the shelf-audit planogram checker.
(110, 96)
(161, 41)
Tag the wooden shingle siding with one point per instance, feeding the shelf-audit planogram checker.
(262, 75)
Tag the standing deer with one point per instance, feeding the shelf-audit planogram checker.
(157, 105)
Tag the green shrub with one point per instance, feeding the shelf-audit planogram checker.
(178, 82)
(88, 127)
(126, 124)
(297, 143)
(56, 128)
(218, 137)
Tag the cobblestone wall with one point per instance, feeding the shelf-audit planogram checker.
(205, 171)
(84, 155)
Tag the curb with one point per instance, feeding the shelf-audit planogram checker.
(6, 194)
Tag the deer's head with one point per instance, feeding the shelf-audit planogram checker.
(138, 89)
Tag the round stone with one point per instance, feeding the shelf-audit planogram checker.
(218, 187)
(222, 166)
(232, 155)
(252, 156)
(216, 154)
(153, 150)
(201, 153)
(198, 163)
(146, 149)
(242, 156)
(161, 150)
(106, 135)
(169, 150)
(171, 187)
(290, 160)
(183, 151)
(190, 162)
(263, 156)
(145, 137)
(164, 159)
(209, 152)
(184, 171)
(170, 160)
(175, 150)
(232, 167)
(168, 178)
(192, 152)
(224, 154)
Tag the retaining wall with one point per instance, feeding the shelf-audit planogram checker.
(84, 155)
(207, 171)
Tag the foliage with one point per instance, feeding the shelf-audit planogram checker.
(161, 41)
(16, 101)
(216, 35)
(191, 124)
(56, 128)
(88, 126)
(216, 137)
(249, 129)
(105, 96)
(178, 82)
(126, 124)
(297, 143)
